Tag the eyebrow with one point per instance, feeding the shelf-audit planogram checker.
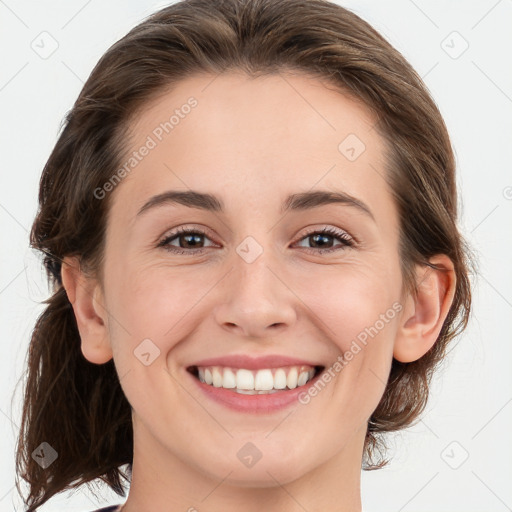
(295, 202)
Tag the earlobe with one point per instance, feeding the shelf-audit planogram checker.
(86, 297)
(425, 314)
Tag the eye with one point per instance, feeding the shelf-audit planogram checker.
(188, 239)
(322, 237)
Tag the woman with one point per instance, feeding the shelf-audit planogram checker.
(250, 223)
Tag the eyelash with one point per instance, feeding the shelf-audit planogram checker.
(345, 239)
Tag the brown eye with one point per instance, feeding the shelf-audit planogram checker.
(188, 239)
(321, 240)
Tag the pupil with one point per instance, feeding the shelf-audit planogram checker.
(193, 240)
(189, 237)
(320, 236)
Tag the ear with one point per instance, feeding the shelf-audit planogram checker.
(87, 300)
(423, 316)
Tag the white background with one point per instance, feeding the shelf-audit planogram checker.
(471, 401)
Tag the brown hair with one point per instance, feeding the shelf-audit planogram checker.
(78, 407)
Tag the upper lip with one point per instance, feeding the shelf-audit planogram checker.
(254, 363)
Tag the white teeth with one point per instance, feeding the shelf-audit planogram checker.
(244, 379)
(303, 378)
(256, 382)
(217, 378)
(229, 379)
(291, 380)
(280, 379)
(264, 380)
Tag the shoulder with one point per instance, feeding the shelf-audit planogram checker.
(110, 508)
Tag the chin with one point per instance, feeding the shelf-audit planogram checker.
(269, 471)
(259, 476)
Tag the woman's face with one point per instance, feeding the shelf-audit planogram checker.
(255, 278)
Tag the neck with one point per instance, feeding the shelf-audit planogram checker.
(162, 481)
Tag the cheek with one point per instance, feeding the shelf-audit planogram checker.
(357, 309)
(163, 304)
(146, 302)
(350, 301)
(155, 295)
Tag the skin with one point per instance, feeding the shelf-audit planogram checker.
(252, 142)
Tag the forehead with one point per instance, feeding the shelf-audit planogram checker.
(252, 139)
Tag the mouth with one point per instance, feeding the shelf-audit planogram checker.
(264, 381)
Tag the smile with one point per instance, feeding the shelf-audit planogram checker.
(254, 391)
(252, 382)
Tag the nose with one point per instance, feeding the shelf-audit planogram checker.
(256, 301)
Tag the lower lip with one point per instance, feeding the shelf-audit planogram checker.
(253, 403)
